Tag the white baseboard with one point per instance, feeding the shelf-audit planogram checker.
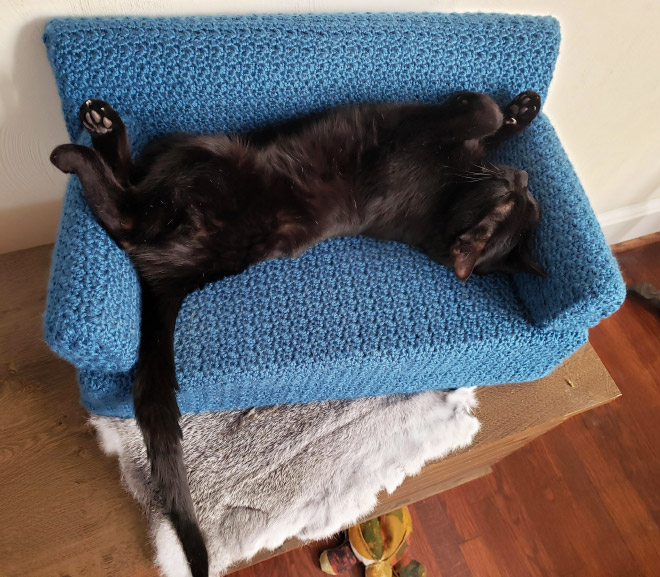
(631, 221)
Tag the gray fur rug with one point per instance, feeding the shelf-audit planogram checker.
(261, 476)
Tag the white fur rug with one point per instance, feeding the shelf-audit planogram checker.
(261, 476)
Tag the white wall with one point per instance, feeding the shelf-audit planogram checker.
(604, 101)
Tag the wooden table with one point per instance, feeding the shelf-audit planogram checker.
(62, 509)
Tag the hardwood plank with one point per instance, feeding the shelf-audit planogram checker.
(64, 511)
(439, 543)
(479, 559)
(483, 508)
(636, 243)
(620, 499)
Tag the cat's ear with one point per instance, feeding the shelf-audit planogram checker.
(467, 248)
(464, 253)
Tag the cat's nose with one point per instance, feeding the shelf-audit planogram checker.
(520, 179)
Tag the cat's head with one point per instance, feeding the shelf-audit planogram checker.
(492, 224)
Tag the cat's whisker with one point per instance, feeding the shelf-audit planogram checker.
(470, 179)
(485, 169)
(496, 169)
(471, 175)
(483, 173)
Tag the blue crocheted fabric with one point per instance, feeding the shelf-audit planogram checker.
(351, 317)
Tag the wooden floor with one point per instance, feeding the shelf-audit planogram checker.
(582, 500)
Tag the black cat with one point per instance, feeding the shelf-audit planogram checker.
(198, 208)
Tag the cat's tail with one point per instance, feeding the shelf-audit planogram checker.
(156, 409)
(157, 414)
(107, 198)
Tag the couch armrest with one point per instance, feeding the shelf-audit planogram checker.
(92, 316)
(584, 284)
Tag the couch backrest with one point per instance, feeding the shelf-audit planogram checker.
(241, 72)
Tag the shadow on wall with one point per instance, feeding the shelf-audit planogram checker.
(31, 188)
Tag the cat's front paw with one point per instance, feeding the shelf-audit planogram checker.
(98, 117)
(523, 108)
(472, 101)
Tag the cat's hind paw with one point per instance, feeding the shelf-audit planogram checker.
(98, 117)
(70, 157)
(523, 108)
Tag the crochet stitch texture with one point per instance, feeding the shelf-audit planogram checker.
(352, 317)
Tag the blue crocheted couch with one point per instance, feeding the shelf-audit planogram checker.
(352, 317)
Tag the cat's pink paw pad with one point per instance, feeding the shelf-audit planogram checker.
(97, 117)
